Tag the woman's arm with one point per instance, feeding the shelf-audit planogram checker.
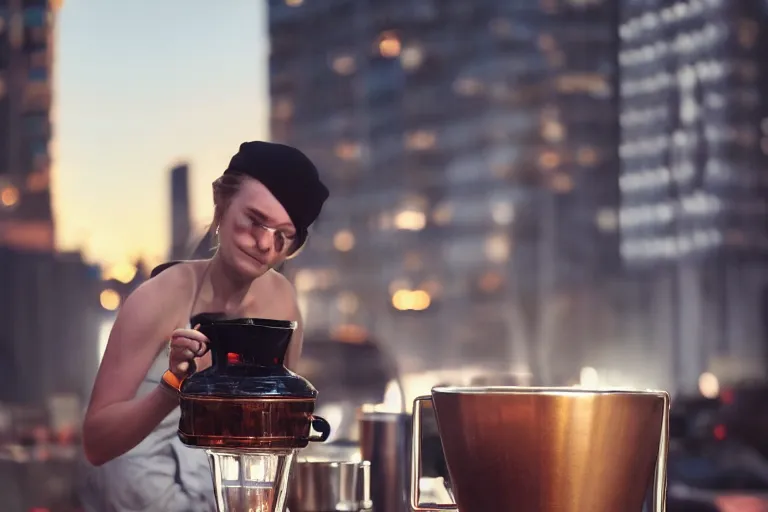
(116, 420)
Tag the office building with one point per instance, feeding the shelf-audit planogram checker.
(452, 135)
(694, 137)
(26, 81)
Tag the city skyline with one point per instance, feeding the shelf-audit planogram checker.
(191, 89)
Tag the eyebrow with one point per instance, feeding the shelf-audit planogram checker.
(266, 218)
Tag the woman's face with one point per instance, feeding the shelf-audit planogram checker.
(255, 232)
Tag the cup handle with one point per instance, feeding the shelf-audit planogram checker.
(416, 463)
(660, 479)
(322, 426)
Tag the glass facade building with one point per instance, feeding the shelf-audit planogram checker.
(694, 132)
(471, 153)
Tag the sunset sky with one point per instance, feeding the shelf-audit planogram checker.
(141, 85)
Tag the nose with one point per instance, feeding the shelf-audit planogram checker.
(264, 241)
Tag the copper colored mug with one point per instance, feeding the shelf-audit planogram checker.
(548, 449)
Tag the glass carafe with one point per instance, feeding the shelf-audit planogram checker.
(250, 481)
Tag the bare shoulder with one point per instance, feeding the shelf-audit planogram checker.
(282, 290)
(164, 293)
(281, 283)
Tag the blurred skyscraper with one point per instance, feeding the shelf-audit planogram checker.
(50, 314)
(26, 80)
(694, 129)
(180, 213)
(471, 152)
(49, 306)
(694, 153)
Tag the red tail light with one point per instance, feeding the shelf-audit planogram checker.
(720, 432)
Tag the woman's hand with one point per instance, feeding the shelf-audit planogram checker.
(186, 345)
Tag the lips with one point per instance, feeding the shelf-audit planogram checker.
(254, 258)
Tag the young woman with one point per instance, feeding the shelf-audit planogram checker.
(264, 204)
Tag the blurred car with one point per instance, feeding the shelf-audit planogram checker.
(721, 474)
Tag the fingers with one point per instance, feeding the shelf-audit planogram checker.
(183, 352)
(186, 345)
(191, 334)
(199, 341)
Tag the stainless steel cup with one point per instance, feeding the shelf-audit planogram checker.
(330, 486)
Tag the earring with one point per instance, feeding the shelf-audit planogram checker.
(217, 230)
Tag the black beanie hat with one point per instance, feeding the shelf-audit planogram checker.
(288, 174)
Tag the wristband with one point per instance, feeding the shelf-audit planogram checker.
(173, 382)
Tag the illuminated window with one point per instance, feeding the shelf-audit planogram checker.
(607, 220)
(9, 196)
(389, 45)
(549, 159)
(344, 65)
(294, 3)
(587, 156)
(589, 83)
(420, 139)
(347, 303)
(313, 279)
(503, 212)
(344, 240)
(552, 131)
(410, 220)
(467, 86)
(412, 57)
(442, 214)
(348, 150)
(561, 183)
(411, 300)
(497, 248)
(38, 181)
(282, 109)
(34, 235)
(490, 282)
